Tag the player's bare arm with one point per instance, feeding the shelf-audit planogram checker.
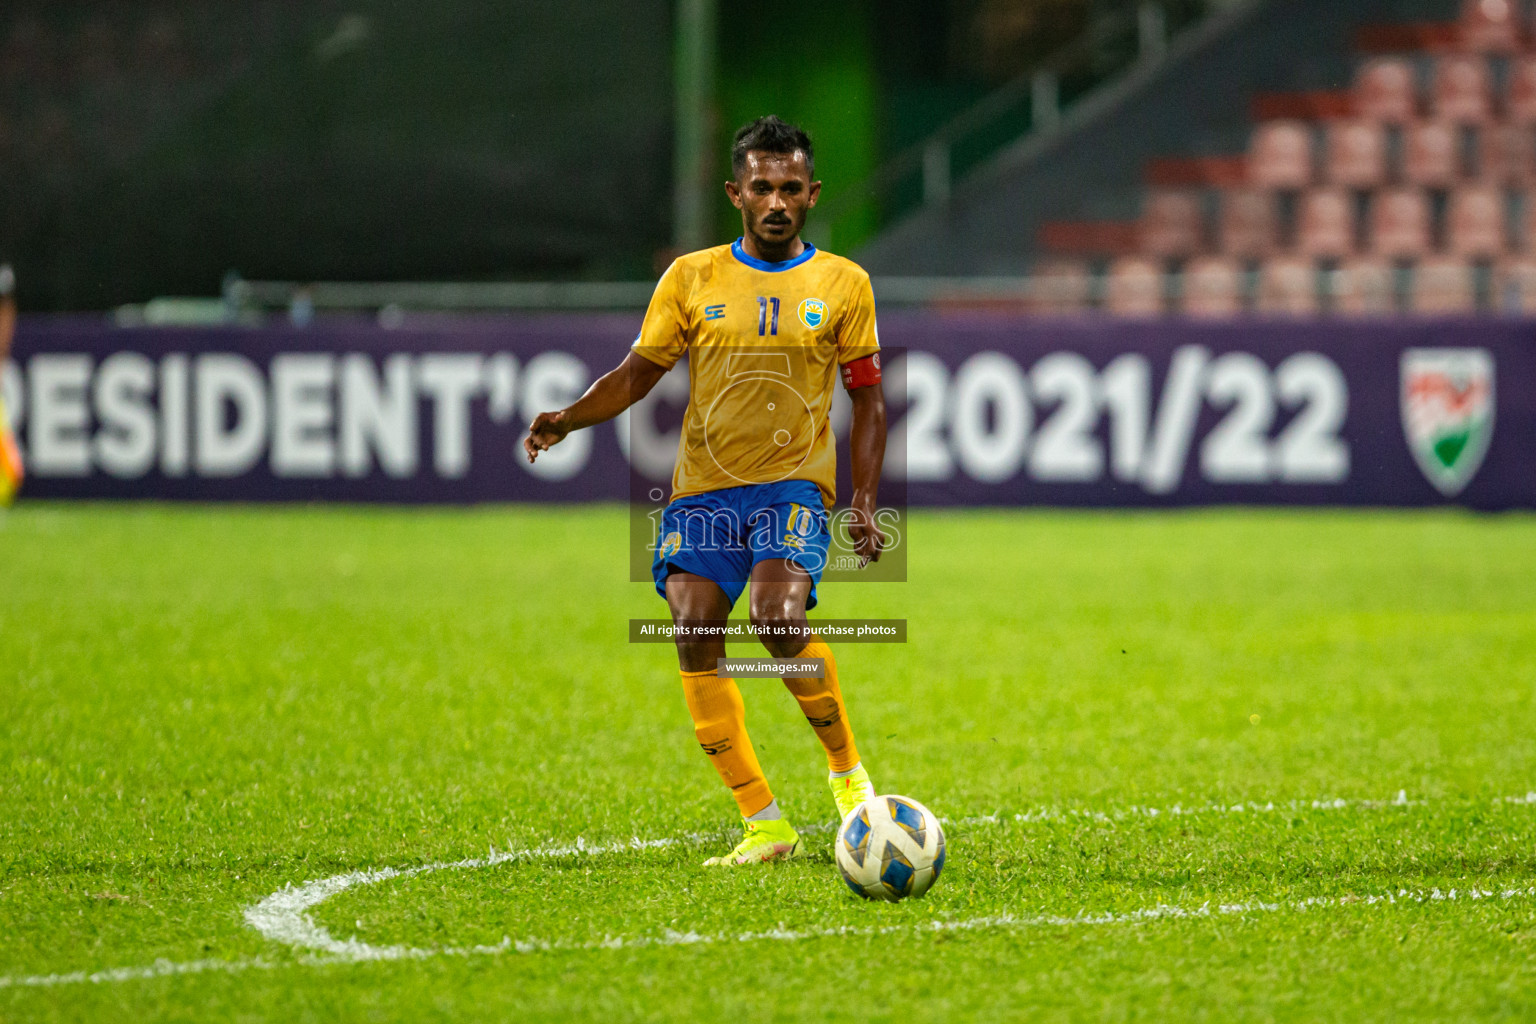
(610, 395)
(867, 441)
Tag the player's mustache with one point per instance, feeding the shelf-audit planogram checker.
(776, 218)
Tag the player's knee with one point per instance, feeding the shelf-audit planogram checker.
(782, 630)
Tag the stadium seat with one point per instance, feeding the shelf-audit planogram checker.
(1475, 222)
(1357, 154)
(1506, 154)
(1365, 287)
(1325, 225)
(1431, 154)
(1280, 155)
(1134, 287)
(1462, 89)
(1061, 285)
(1090, 237)
(1514, 285)
(1172, 223)
(1443, 284)
(1247, 228)
(1490, 26)
(1386, 90)
(1520, 92)
(1213, 287)
(1526, 241)
(1400, 223)
(1288, 285)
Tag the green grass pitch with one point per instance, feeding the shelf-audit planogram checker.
(205, 705)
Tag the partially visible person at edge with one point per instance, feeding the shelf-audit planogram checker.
(11, 471)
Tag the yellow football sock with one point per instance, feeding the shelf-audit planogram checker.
(822, 702)
(720, 723)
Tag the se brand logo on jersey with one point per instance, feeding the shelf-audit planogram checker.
(1447, 407)
(813, 313)
(714, 312)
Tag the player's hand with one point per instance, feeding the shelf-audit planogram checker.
(867, 539)
(546, 430)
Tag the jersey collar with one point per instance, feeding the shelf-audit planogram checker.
(772, 268)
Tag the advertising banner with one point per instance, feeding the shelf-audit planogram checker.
(986, 410)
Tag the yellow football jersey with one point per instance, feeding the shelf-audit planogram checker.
(764, 343)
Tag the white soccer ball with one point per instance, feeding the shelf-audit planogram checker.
(889, 848)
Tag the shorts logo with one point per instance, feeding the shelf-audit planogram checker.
(802, 525)
(671, 545)
(802, 521)
(1447, 402)
(813, 313)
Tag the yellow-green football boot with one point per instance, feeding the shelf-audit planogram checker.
(851, 790)
(764, 841)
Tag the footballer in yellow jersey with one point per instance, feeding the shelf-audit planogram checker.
(764, 344)
(769, 325)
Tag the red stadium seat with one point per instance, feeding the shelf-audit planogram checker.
(1365, 287)
(1288, 285)
(1520, 93)
(1526, 243)
(1213, 287)
(1514, 285)
(1400, 223)
(1172, 223)
(1443, 284)
(1431, 154)
(1357, 154)
(1462, 89)
(1249, 218)
(1062, 285)
(1326, 224)
(1134, 287)
(1475, 223)
(1490, 26)
(1506, 154)
(1280, 155)
(1387, 90)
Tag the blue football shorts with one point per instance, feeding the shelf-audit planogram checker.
(722, 534)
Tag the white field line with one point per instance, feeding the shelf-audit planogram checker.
(284, 916)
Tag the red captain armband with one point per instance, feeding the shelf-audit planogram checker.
(861, 373)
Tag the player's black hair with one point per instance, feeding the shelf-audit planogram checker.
(770, 135)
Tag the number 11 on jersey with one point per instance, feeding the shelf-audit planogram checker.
(764, 325)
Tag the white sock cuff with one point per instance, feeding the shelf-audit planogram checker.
(769, 813)
(850, 771)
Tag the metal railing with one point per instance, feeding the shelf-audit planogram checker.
(1365, 290)
(1135, 35)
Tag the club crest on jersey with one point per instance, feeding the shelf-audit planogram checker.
(1447, 403)
(671, 545)
(813, 313)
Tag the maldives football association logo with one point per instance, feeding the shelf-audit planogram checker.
(1448, 404)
